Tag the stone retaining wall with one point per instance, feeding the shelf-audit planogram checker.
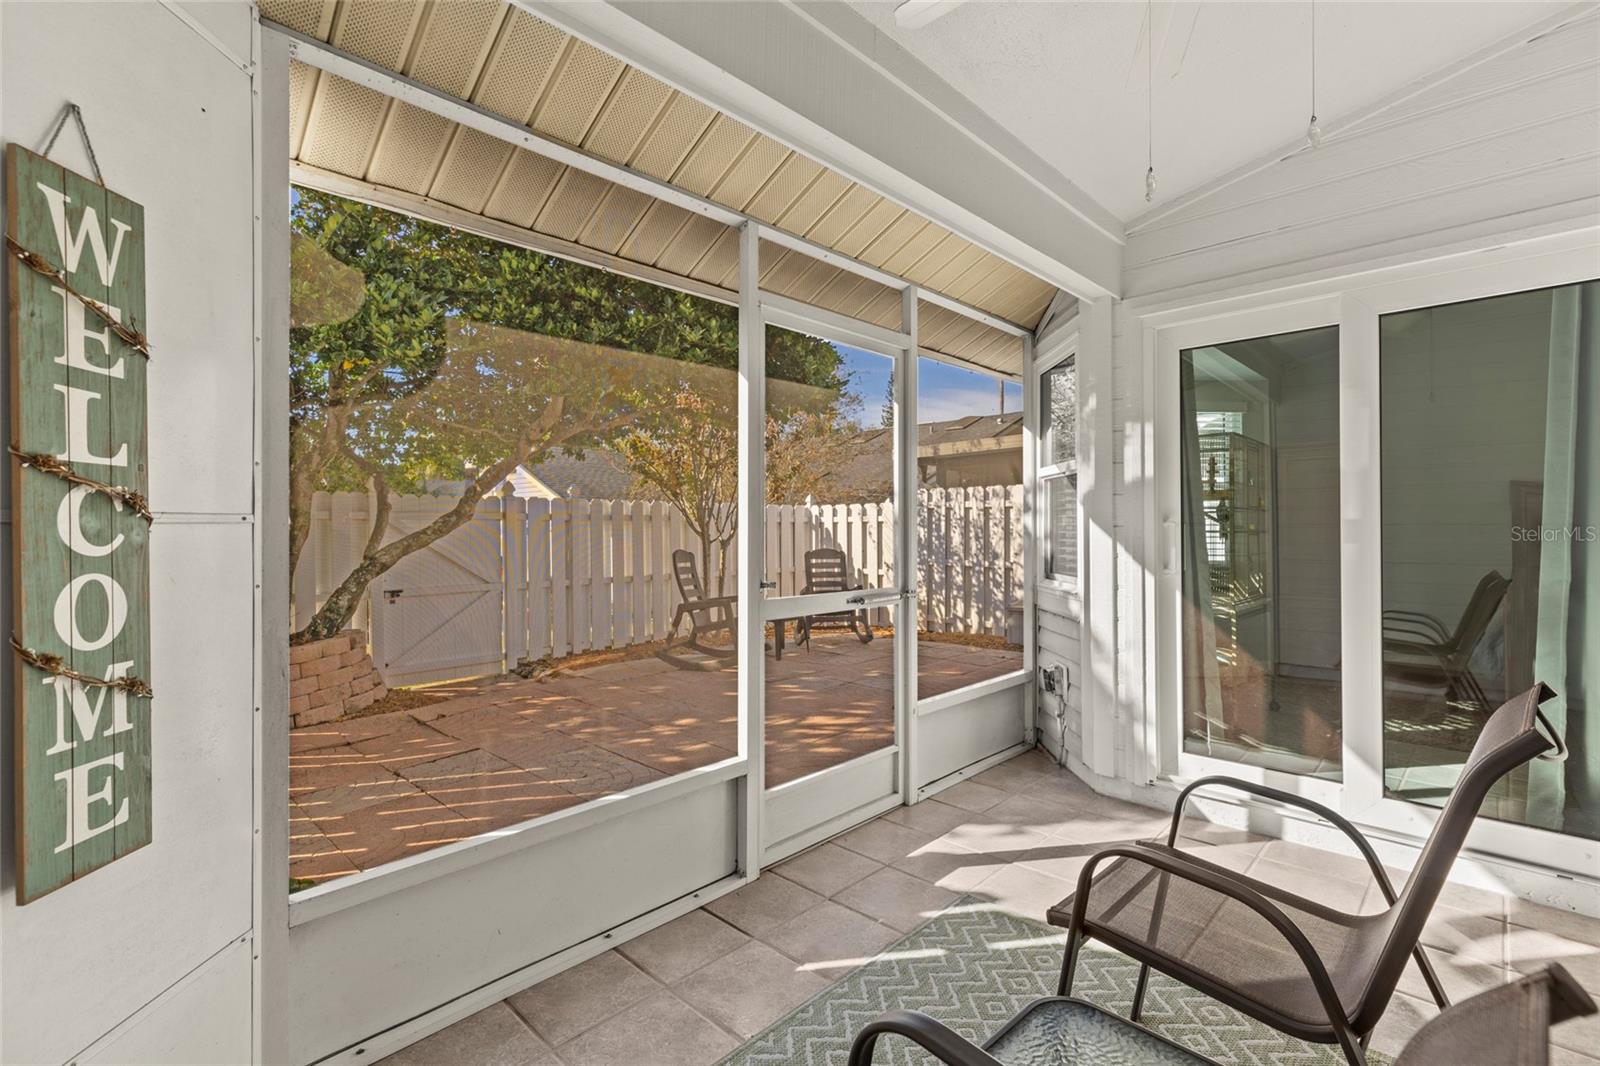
(332, 677)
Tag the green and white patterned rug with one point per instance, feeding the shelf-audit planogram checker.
(973, 967)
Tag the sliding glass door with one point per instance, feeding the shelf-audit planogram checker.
(1491, 542)
(1376, 518)
(1259, 494)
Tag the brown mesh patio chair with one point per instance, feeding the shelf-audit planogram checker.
(1301, 967)
(828, 570)
(707, 616)
(1417, 647)
(1506, 1026)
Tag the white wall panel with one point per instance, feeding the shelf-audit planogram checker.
(1058, 631)
(360, 971)
(795, 810)
(171, 119)
(958, 736)
(203, 1021)
(83, 958)
(230, 24)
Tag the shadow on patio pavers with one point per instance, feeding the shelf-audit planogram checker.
(495, 752)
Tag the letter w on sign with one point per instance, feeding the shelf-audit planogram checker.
(81, 557)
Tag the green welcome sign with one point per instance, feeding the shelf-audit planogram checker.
(80, 535)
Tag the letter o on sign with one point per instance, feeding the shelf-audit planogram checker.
(66, 603)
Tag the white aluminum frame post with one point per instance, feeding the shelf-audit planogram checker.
(905, 548)
(752, 517)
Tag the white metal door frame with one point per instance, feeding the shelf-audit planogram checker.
(858, 788)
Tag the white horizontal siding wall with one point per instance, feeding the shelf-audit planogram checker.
(1059, 619)
(1509, 138)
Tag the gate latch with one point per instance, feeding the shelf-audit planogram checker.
(392, 594)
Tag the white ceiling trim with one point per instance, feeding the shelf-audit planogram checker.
(851, 31)
(719, 55)
(336, 61)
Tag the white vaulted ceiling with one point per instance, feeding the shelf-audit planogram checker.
(1231, 80)
(517, 66)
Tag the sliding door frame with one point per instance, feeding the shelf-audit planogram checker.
(1175, 762)
(1365, 800)
(1354, 303)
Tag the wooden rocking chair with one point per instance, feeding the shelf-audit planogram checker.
(707, 615)
(828, 570)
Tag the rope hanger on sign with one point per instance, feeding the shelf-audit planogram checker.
(40, 265)
(74, 112)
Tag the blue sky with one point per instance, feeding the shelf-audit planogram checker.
(943, 391)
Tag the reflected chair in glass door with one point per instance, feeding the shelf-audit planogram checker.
(1418, 649)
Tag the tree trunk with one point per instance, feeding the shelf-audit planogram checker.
(705, 564)
(381, 508)
(341, 604)
(303, 477)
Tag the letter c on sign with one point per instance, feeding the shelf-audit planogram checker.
(66, 603)
(69, 527)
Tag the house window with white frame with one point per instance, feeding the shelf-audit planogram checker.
(1058, 470)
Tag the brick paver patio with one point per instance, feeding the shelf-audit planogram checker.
(499, 751)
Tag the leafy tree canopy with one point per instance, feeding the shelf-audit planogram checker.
(419, 352)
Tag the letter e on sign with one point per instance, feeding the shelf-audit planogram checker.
(81, 556)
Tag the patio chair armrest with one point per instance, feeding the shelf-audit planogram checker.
(1219, 881)
(1278, 795)
(1416, 618)
(938, 1039)
(1401, 638)
(1568, 999)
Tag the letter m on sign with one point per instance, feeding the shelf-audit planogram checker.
(81, 584)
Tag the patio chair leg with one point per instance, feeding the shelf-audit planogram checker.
(1138, 992)
(1354, 1047)
(1069, 963)
(1430, 978)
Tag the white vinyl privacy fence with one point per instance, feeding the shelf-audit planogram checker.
(547, 578)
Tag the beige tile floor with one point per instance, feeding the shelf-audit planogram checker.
(694, 989)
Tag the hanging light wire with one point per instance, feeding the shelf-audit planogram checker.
(1314, 129)
(1149, 101)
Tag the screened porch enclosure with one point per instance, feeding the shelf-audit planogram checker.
(542, 572)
